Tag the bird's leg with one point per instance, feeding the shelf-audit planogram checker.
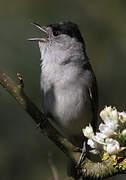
(83, 154)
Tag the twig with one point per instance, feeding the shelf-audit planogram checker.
(20, 78)
(17, 92)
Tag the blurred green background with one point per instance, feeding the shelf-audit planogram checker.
(23, 150)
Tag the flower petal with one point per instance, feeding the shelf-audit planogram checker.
(91, 143)
(106, 129)
(112, 146)
(88, 131)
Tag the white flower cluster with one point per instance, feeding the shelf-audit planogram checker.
(114, 123)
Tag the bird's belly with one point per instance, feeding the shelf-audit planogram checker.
(69, 107)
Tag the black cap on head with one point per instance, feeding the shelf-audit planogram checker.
(68, 28)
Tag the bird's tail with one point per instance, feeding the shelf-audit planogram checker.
(72, 171)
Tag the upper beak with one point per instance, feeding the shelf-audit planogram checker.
(42, 28)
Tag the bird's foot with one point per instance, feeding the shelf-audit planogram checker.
(83, 154)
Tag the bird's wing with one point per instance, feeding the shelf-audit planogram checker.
(93, 93)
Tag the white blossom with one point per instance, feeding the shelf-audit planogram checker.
(122, 116)
(112, 146)
(88, 131)
(110, 116)
(91, 143)
(107, 129)
(96, 143)
(99, 138)
(111, 125)
(114, 115)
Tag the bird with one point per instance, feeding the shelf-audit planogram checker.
(67, 80)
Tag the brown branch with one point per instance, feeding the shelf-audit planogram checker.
(16, 91)
(94, 170)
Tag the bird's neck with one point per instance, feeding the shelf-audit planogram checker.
(62, 55)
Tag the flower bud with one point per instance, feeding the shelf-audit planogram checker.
(88, 131)
(122, 116)
(124, 133)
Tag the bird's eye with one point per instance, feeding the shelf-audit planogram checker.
(56, 33)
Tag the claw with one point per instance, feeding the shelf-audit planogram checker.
(83, 154)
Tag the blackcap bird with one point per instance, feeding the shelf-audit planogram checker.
(68, 83)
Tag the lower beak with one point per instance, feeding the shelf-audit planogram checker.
(42, 28)
(37, 39)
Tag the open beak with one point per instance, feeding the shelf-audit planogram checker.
(42, 28)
